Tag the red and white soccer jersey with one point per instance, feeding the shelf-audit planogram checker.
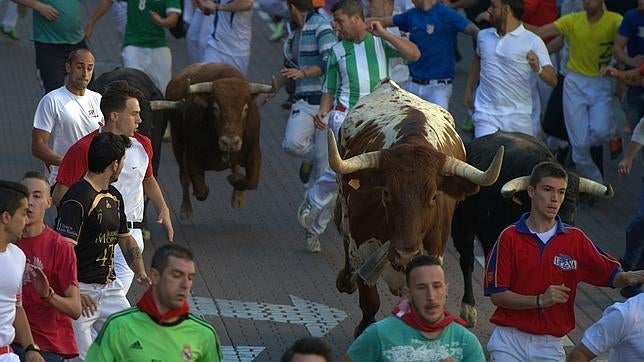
(522, 263)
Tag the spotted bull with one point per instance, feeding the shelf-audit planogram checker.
(401, 171)
(493, 208)
(215, 126)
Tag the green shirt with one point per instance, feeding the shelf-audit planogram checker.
(140, 30)
(391, 340)
(131, 335)
(354, 69)
(66, 29)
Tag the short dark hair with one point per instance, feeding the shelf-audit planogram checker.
(106, 148)
(516, 6)
(421, 260)
(162, 254)
(115, 96)
(35, 174)
(72, 55)
(301, 5)
(349, 8)
(11, 193)
(547, 169)
(309, 345)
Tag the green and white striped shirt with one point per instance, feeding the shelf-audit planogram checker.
(354, 69)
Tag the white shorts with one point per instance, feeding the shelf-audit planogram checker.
(109, 299)
(437, 93)
(121, 269)
(508, 344)
(9, 357)
(212, 55)
(155, 62)
(485, 124)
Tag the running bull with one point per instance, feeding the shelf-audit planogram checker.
(493, 208)
(215, 127)
(401, 170)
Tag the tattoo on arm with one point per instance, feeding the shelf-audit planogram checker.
(131, 254)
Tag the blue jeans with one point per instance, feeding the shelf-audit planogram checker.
(634, 252)
(47, 356)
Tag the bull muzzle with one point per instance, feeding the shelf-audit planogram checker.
(230, 144)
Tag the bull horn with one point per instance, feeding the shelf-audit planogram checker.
(595, 188)
(515, 185)
(355, 163)
(256, 88)
(162, 105)
(456, 167)
(203, 87)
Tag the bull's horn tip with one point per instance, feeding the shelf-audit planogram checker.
(609, 191)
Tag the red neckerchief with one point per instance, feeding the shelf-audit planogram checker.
(147, 305)
(403, 310)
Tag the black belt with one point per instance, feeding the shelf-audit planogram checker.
(309, 98)
(431, 81)
(135, 225)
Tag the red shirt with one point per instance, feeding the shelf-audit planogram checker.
(51, 329)
(74, 164)
(522, 263)
(540, 12)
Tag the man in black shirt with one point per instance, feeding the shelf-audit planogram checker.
(92, 216)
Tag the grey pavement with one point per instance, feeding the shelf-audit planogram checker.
(256, 283)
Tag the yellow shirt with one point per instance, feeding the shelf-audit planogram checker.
(591, 45)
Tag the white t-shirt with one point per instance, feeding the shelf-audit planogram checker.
(232, 31)
(506, 77)
(130, 182)
(12, 267)
(68, 118)
(620, 330)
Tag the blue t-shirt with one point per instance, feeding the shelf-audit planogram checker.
(391, 340)
(632, 27)
(434, 32)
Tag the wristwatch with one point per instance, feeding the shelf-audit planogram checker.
(32, 347)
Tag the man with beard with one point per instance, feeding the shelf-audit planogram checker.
(533, 270)
(120, 105)
(420, 328)
(160, 327)
(13, 320)
(92, 216)
(50, 285)
(507, 58)
(66, 114)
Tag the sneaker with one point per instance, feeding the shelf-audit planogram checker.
(313, 243)
(306, 213)
(167, 135)
(615, 146)
(11, 33)
(278, 31)
(305, 171)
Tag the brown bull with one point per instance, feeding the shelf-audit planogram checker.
(215, 126)
(403, 173)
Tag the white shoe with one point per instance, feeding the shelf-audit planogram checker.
(306, 213)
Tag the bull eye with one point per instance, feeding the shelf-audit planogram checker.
(244, 111)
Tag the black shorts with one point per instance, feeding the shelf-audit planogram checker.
(50, 63)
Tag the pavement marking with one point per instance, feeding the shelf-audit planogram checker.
(241, 353)
(318, 318)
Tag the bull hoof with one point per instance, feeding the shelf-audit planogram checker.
(469, 314)
(344, 284)
(202, 195)
(237, 181)
(186, 213)
(362, 326)
(237, 200)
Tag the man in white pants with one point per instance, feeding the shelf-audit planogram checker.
(586, 94)
(231, 34)
(507, 58)
(619, 332)
(356, 65)
(91, 216)
(121, 103)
